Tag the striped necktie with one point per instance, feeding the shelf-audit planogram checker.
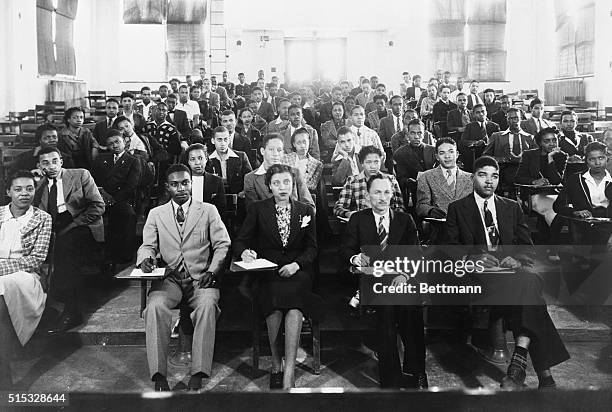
(382, 234)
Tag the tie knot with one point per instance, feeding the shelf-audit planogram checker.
(381, 220)
(448, 172)
(485, 203)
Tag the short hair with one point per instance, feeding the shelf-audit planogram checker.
(184, 86)
(416, 77)
(405, 73)
(377, 176)
(145, 88)
(112, 100)
(381, 97)
(220, 129)
(126, 94)
(240, 74)
(447, 72)
(366, 80)
(276, 169)
(381, 85)
(489, 91)
(504, 96)
(176, 168)
(192, 88)
(415, 122)
(410, 111)
(49, 149)
(120, 119)
(163, 86)
(246, 109)
(344, 130)
(299, 130)
(294, 106)
(396, 96)
(191, 148)
(445, 87)
(534, 102)
(228, 113)
(255, 89)
(478, 105)
(547, 130)
(43, 128)
(484, 161)
(271, 136)
(174, 79)
(568, 113)
(19, 174)
(68, 113)
(162, 104)
(474, 81)
(357, 107)
(513, 110)
(594, 146)
(112, 133)
(368, 150)
(461, 94)
(445, 140)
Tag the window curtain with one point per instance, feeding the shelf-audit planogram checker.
(144, 11)
(575, 34)
(447, 32)
(185, 37)
(486, 31)
(56, 55)
(44, 38)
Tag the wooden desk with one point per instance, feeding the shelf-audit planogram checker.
(125, 274)
(530, 190)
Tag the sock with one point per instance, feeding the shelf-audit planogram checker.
(519, 358)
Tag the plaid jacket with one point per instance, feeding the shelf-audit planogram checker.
(353, 196)
(314, 168)
(35, 238)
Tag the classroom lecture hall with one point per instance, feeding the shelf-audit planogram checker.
(306, 205)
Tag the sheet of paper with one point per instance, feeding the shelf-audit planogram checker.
(157, 273)
(257, 264)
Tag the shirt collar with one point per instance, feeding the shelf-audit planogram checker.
(520, 132)
(589, 178)
(261, 170)
(119, 155)
(230, 153)
(452, 169)
(8, 215)
(58, 178)
(377, 216)
(480, 201)
(185, 206)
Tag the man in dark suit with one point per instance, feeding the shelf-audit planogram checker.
(263, 109)
(325, 111)
(458, 119)
(414, 92)
(499, 116)
(379, 225)
(46, 135)
(476, 136)
(507, 146)
(72, 199)
(117, 174)
(490, 102)
(99, 131)
(230, 165)
(573, 142)
(205, 187)
(390, 125)
(178, 117)
(473, 97)
(413, 158)
(127, 110)
(486, 220)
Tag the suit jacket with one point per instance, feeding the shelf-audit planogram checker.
(100, 129)
(361, 230)
(472, 100)
(400, 139)
(410, 92)
(82, 198)
(213, 100)
(530, 168)
(499, 117)
(386, 129)
(454, 120)
(329, 134)
(118, 179)
(260, 233)
(499, 144)
(223, 97)
(474, 132)
(576, 195)
(464, 225)
(203, 246)
(35, 239)
(181, 122)
(139, 122)
(570, 148)
(236, 169)
(408, 164)
(433, 191)
(313, 150)
(266, 111)
(255, 188)
(531, 127)
(441, 110)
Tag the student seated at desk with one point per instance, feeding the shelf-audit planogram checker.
(25, 233)
(401, 138)
(230, 165)
(345, 162)
(191, 238)
(353, 195)
(309, 167)
(283, 231)
(588, 194)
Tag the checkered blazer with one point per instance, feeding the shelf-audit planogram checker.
(353, 195)
(35, 238)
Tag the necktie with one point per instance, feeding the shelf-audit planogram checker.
(491, 228)
(516, 145)
(358, 132)
(382, 234)
(180, 215)
(110, 123)
(450, 179)
(397, 125)
(52, 202)
(115, 157)
(539, 125)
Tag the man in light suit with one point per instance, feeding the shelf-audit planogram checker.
(209, 96)
(537, 121)
(191, 238)
(74, 202)
(508, 146)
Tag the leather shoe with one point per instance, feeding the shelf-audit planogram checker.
(67, 321)
(547, 385)
(514, 379)
(421, 381)
(180, 387)
(195, 382)
(494, 356)
(276, 380)
(161, 385)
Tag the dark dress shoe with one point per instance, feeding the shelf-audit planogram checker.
(514, 379)
(547, 384)
(161, 385)
(67, 321)
(276, 380)
(195, 383)
(421, 381)
(180, 387)
(494, 356)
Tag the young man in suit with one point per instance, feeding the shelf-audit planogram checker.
(100, 129)
(177, 117)
(413, 158)
(413, 93)
(381, 225)
(255, 187)
(366, 95)
(459, 88)
(507, 146)
(390, 125)
(262, 108)
(346, 161)
(295, 114)
(282, 121)
(237, 141)
(484, 219)
(46, 135)
(365, 135)
(325, 111)
(211, 97)
(537, 121)
(205, 187)
(353, 194)
(127, 110)
(441, 109)
(473, 97)
(500, 116)
(117, 174)
(146, 105)
(476, 136)
(490, 102)
(459, 118)
(230, 165)
(191, 238)
(74, 202)
(438, 187)
(573, 142)
(400, 139)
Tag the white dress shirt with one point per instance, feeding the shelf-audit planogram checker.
(197, 188)
(61, 202)
(190, 107)
(598, 191)
(136, 143)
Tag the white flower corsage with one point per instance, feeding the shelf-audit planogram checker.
(304, 221)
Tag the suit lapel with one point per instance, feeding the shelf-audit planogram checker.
(295, 223)
(270, 217)
(480, 238)
(168, 221)
(195, 212)
(67, 183)
(504, 225)
(397, 227)
(441, 180)
(585, 190)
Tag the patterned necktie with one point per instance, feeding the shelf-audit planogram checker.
(450, 179)
(358, 132)
(397, 125)
(180, 215)
(516, 145)
(52, 202)
(382, 234)
(491, 228)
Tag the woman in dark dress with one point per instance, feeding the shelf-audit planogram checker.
(283, 231)
(77, 140)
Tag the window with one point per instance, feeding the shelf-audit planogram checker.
(575, 34)
(55, 36)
